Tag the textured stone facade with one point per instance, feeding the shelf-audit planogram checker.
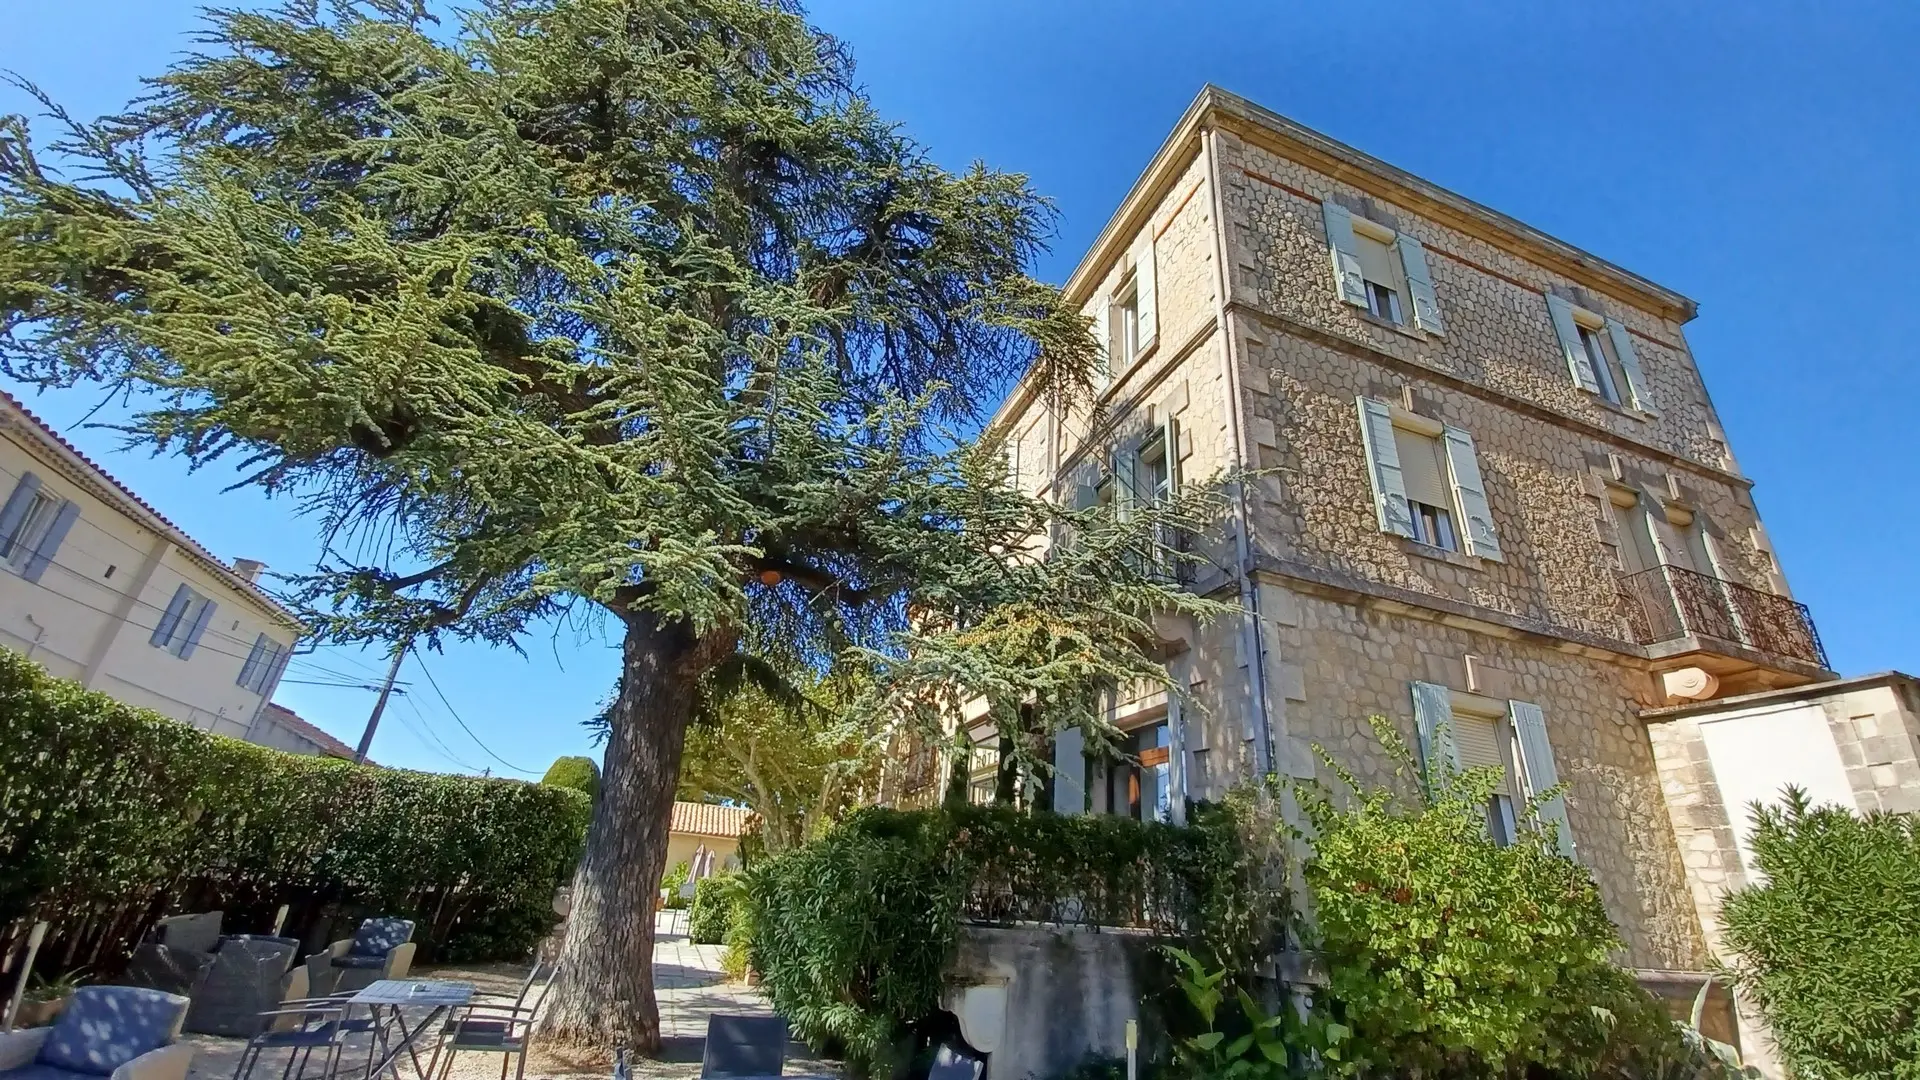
(1246, 340)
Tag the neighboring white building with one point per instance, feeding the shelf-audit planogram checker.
(283, 729)
(99, 587)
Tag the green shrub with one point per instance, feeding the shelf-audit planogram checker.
(1446, 954)
(671, 881)
(710, 917)
(577, 773)
(120, 810)
(1829, 944)
(850, 933)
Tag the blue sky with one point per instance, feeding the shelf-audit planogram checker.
(1758, 157)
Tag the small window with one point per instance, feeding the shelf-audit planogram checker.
(19, 546)
(1154, 479)
(1382, 276)
(184, 620)
(1423, 469)
(1125, 334)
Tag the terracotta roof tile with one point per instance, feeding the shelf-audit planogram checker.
(329, 746)
(710, 819)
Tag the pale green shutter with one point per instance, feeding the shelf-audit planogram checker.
(1349, 282)
(1383, 466)
(1478, 536)
(1568, 331)
(1426, 303)
(1536, 759)
(1624, 352)
(1433, 719)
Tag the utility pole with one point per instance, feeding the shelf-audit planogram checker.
(379, 706)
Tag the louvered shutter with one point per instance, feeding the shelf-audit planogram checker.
(1126, 471)
(1433, 719)
(1568, 330)
(1629, 358)
(252, 664)
(1170, 436)
(276, 667)
(1383, 466)
(200, 620)
(1426, 302)
(14, 514)
(1536, 759)
(1478, 536)
(1143, 284)
(1349, 282)
(50, 541)
(170, 618)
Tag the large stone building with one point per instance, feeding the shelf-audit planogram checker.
(1493, 501)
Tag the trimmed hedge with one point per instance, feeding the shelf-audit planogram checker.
(111, 815)
(711, 915)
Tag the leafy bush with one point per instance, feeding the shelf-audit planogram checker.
(123, 812)
(711, 916)
(1447, 954)
(576, 772)
(670, 883)
(850, 933)
(1829, 945)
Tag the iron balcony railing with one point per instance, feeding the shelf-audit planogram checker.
(1671, 602)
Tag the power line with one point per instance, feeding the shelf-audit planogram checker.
(424, 732)
(431, 681)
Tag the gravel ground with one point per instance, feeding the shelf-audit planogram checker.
(687, 979)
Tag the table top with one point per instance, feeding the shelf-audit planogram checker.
(426, 992)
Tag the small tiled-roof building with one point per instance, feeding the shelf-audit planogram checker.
(710, 825)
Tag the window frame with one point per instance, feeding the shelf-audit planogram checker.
(1415, 424)
(17, 549)
(1502, 809)
(1364, 229)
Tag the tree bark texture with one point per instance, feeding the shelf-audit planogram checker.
(603, 995)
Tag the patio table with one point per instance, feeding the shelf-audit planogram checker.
(437, 995)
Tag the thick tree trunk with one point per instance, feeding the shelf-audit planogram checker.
(603, 997)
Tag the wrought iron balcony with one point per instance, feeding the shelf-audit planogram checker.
(1670, 602)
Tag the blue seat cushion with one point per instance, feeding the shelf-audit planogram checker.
(104, 1027)
(43, 1072)
(352, 961)
(378, 937)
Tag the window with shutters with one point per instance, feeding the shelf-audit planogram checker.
(1376, 266)
(1600, 355)
(1423, 470)
(182, 623)
(262, 667)
(1124, 329)
(24, 538)
(1484, 742)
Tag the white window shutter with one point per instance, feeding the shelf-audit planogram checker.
(1170, 439)
(1536, 759)
(1143, 283)
(1568, 331)
(1102, 332)
(1478, 535)
(1426, 303)
(1383, 466)
(1629, 358)
(1433, 719)
(1348, 280)
(50, 541)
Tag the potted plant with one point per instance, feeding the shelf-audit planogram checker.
(45, 998)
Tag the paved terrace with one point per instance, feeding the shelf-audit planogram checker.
(688, 981)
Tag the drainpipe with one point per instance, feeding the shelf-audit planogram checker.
(1243, 552)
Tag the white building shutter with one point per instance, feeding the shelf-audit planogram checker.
(50, 541)
(1578, 363)
(1433, 719)
(1170, 439)
(1349, 282)
(1383, 466)
(1536, 759)
(1102, 359)
(1143, 284)
(1426, 303)
(1069, 772)
(1624, 352)
(1478, 536)
(163, 632)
